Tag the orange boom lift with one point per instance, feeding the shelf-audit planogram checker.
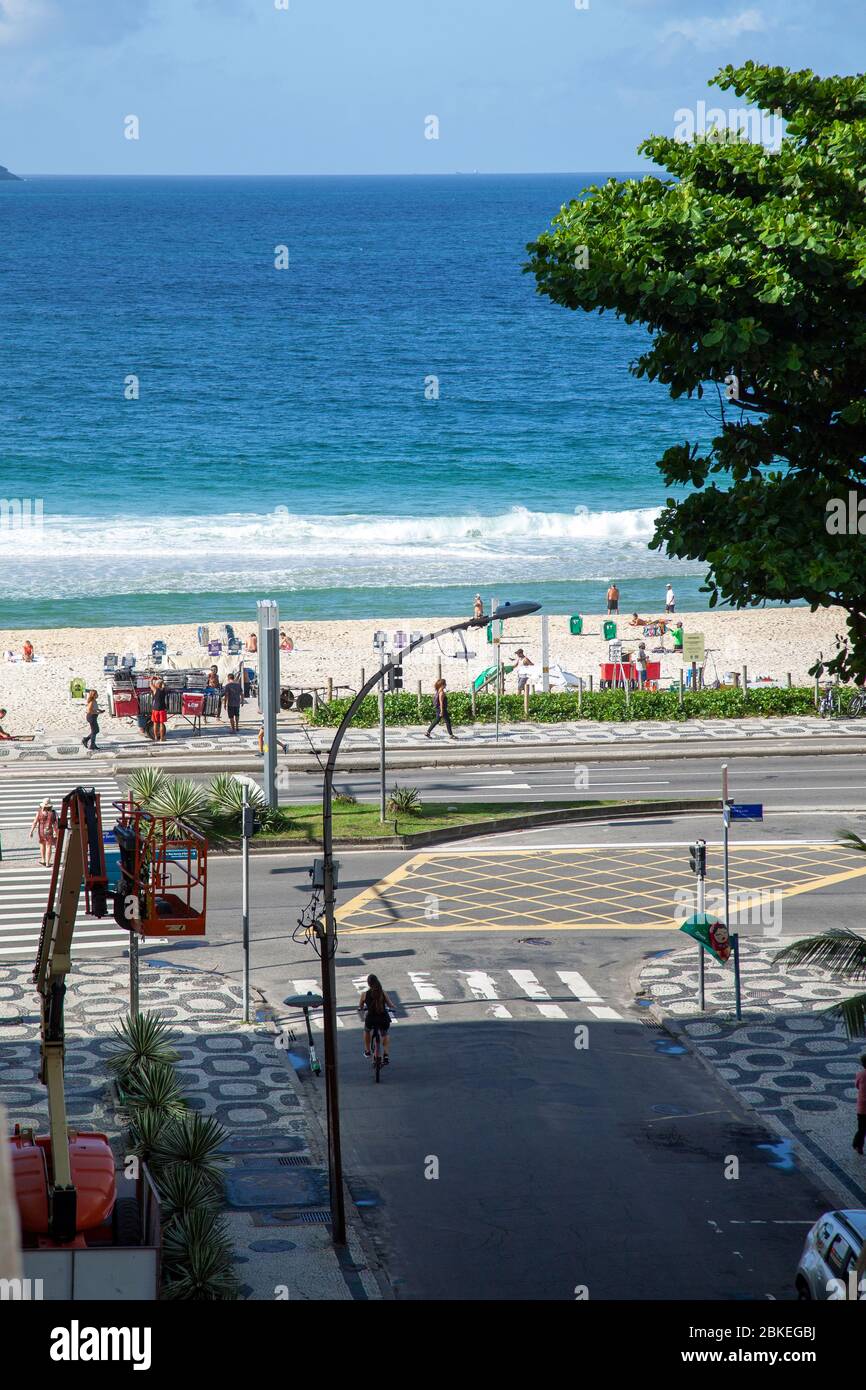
(65, 1182)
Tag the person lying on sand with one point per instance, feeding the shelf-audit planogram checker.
(13, 738)
(635, 621)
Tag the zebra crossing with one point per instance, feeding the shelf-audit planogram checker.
(22, 791)
(24, 882)
(510, 994)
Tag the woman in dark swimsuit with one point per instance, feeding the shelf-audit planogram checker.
(374, 1005)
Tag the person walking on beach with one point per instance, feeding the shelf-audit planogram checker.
(45, 824)
(91, 714)
(860, 1083)
(158, 708)
(670, 600)
(521, 660)
(440, 706)
(478, 607)
(613, 598)
(233, 698)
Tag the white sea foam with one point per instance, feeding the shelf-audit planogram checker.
(172, 553)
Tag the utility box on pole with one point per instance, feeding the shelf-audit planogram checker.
(269, 689)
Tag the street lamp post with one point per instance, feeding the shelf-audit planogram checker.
(327, 934)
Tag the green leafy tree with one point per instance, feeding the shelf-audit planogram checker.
(748, 267)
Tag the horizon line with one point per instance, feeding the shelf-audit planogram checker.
(450, 174)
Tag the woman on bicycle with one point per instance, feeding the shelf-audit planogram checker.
(374, 1005)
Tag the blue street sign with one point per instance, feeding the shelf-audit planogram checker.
(747, 811)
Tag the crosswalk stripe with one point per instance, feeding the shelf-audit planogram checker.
(24, 886)
(583, 990)
(423, 987)
(536, 992)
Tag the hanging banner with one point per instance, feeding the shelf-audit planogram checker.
(711, 934)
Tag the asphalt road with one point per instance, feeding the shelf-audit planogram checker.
(780, 783)
(505, 1155)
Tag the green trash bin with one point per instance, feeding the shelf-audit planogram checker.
(490, 632)
(575, 624)
(609, 631)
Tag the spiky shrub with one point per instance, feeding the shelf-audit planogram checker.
(139, 1042)
(404, 801)
(183, 803)
(226, 794)
(344, 799)
(183, 1190)
(146, 1128)
(192, 1139)
(155, 1087)
(145, 783)
(197, 1259)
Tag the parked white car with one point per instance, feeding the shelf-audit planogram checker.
(833, 1263)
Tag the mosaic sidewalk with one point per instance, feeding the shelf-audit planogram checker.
(276, 1186)
(786, 1060)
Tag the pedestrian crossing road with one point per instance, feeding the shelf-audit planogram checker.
(457, 995)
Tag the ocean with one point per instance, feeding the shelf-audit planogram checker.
(390, 423)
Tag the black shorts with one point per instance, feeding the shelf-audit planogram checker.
(380, 1021)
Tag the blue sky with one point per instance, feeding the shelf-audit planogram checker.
(344, 86)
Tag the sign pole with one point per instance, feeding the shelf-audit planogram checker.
(702, 998)
(133, 973)
(735, 936)
(246, 831)
(382, 735)
(269, 690)
(545, 654)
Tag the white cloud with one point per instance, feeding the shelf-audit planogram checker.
(711, 31)
(21, 20)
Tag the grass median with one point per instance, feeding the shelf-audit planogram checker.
(303, 824)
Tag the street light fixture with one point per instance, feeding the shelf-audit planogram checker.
(327, 933)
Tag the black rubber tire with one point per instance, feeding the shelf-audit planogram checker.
(126, 1222)
(803, 1294)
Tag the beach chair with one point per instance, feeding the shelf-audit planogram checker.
(109, 663)
(235, 646)
(77, 688)
(203, 636)
(157, 652)
(127, 661)
(215, 648)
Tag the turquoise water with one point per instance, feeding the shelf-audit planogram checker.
(283, 443)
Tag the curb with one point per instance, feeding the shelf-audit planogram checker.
(820, 1165)
(636, 751)
(570, 815)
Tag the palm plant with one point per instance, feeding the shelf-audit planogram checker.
(193, 1139)
(145, 783)
(183, 803)
(404, 801)
(183, 1190)
(197, 1259)
(146, 1129)
(155, 1087)
(840, 951)
(227, 800)
(140, 1041)
(843, 953)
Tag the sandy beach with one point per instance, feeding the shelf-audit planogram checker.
(770, 642)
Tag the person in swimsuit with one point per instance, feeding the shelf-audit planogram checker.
(45, 823)
(374, 1005)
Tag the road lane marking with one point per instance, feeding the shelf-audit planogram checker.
(583, 990)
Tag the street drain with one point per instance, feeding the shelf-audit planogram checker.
(311, 1218)
(293, 1161)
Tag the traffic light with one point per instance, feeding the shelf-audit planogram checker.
(698, 858)
(395, 678)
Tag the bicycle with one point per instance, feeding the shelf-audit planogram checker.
(376, 1053)
(856, 705)
(830, 706)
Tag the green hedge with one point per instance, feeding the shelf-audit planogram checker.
(556, 707)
